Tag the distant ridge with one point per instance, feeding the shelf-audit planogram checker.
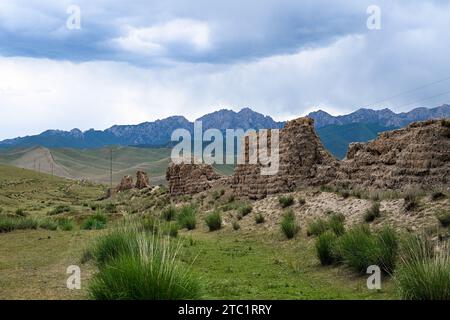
(158, 133)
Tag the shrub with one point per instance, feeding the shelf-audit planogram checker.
(236, 225)
(437, 195)
(21, 213)
(325, 247)
(149, 224)
(170, 229)
(336, 223)
(301, 201)
(445, 123)
(8, 223)
(289, 225)
(111, 207)
(95, 222)
(60, 209)
(411, 198)
(187, 217)
(214, 221)
(48, 224)
(259, 218)
(215, 195)
(66, 224)
(245, 209)
(286, 201)
(358, 249)
(422, 275)
(444, 217)
(388, 246)
(169, 213)
(144, 268)
(316, 227)
(344, 193)
(372, 213)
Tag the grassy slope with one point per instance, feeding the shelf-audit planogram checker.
(336, 138)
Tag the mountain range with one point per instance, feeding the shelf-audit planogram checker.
(336, 132)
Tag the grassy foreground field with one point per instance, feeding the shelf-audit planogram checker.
(308, 244)
(243, 264)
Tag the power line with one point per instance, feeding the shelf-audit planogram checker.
(425, 99)
(407, 92)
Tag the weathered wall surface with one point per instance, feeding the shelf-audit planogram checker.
(190, 178)
(416, 155)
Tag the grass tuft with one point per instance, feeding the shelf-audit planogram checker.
(187, 217)
(289, 224)
(286, 201)
(371, 214)
(95, 222)
(214, 221)
(325, 248)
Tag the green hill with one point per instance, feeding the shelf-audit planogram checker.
(336, 138)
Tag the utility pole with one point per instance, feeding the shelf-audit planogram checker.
(111, 167)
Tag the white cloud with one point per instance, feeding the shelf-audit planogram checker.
(155, 40)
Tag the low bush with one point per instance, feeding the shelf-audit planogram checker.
(411, 199)
(437, 195)
(95, 222)
(135, 266)
(372, 213)
(60, 209)
(325, 247)
(301, 201)
(336, 223)
(9, 223)
(286, 201)
(422, 273)
(316, 227)
(214, 221)
(21, 213)
(259, 218)
(359, 249)
(245, 209)
(187, 217)
(66, 224)
(444, 217)
(289, 224)
(111, 207)
(48, 224)
(236, 225)
(169, 213)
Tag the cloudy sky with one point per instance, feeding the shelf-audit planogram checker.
(135, 61)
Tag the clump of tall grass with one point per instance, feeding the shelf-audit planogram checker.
(301, 201)
(139, 266)
(169, 213)
(289, 224)
(59, 209)
(111, 207)
(359, 249)
(66, 224)
(10, 223)
(437, 195)
(214, 220)
(316, 227)
(372, 213)
(411, 199)
(259, 218)
(21, 213)
(48, 224)
(335, 223)
(444, 217)
(423, 274)
(96, 221)
(286, 201)
(187, 217)
(325, 247)
(245, 209)
(235, 225)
